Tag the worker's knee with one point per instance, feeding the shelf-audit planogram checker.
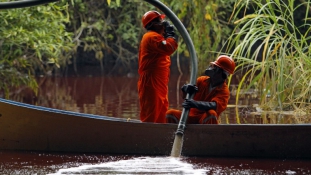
(173, 116)
(171, 119)
(211, 119)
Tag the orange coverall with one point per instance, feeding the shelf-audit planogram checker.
(220, 95)
(154, 70)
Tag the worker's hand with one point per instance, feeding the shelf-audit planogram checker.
(189, 88)
(189, 103)
(168, 29)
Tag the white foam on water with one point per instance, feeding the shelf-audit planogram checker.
(140, 165)
(290, 172)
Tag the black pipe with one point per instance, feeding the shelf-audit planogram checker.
(25, 3)
(176, 150)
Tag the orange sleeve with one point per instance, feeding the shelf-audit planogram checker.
(220, 95)
(159, 44)
(154, 52)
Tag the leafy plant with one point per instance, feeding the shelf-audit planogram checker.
(110, 31)
(208, 26)
(32, 40)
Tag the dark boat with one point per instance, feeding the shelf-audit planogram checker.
(27, 127)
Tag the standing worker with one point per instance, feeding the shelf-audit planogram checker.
(212, 94)
(156, 46)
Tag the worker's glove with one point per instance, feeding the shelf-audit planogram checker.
(168, 30)
(189, 88)
(201, 105)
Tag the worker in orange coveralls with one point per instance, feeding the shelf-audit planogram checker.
(156, 46)
(212, 94)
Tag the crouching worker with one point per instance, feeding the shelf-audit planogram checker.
(211, 97)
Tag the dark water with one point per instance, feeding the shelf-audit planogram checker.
(47, 163)
(117, 97)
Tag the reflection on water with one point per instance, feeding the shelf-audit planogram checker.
(118, 97)
(107, 96)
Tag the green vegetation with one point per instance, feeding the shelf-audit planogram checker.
(112, 33)
(207, 23)
(32, 39)
(272, 47)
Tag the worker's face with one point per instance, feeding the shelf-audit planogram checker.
(158, 25)
(213, 70)
(158, 22)
(216, 74)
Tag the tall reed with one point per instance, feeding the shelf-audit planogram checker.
(272, 50)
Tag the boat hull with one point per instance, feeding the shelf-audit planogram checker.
(31, 128)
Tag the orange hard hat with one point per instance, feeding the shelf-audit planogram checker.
(151, 15)
(225, 62)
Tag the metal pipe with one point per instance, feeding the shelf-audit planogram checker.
(177, 145)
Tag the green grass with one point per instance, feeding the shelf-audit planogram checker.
(272, 33)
